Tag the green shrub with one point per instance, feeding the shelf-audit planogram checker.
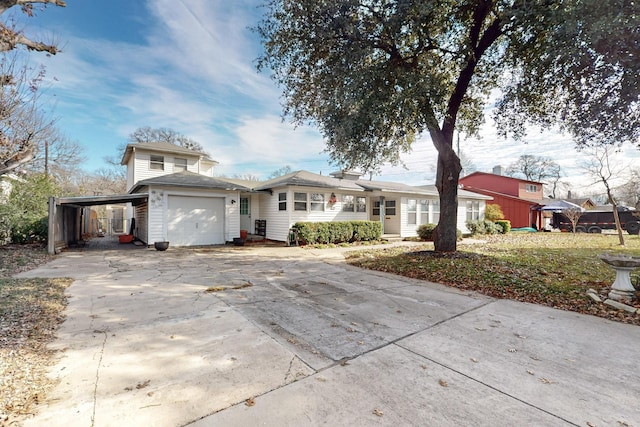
(366, 231)
(483, 227)
(505, 224)
(425, 231)
(337, 231)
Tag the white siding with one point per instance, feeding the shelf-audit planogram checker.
(406, 230)
(131, 177)
(232, 220)
(462, 213)
(157, 206)
(278, 222)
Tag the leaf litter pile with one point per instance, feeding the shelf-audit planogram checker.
(30, 312)
(552, 269)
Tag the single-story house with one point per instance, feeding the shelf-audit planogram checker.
(178, 199)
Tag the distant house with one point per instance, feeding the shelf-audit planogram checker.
(174, 196)
(519, 199)
(585, 203)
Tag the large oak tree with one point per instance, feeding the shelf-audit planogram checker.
(374, 74)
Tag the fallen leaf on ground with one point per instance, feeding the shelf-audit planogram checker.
(378, 412)
(250, 401)
(443, 383)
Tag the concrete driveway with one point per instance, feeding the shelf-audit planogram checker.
(295, 337)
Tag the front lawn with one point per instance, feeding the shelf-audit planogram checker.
(554, 269)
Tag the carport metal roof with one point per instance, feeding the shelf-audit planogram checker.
(135, 199)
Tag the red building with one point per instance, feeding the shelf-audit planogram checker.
(519, 199)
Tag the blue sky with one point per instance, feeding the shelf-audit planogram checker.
(189, 65)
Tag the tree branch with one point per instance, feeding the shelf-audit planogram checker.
(478, 48)
(7, 4)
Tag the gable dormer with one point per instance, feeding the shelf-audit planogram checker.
(153, 159)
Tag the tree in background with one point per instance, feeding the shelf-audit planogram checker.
(23, 122)
(537, 168)
(605, 171)
(374, 75)
(573, 215)
(630, 191)
(280, 172)
(149, 135)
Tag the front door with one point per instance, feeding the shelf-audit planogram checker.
(390, 221)
(245, 214)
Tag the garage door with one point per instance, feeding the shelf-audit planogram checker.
(195, 221)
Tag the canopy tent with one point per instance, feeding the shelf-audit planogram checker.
(560, 205)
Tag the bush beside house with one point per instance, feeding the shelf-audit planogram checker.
(337, 231)
(24, 213)
(502, 226)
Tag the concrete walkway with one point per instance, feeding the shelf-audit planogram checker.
(295, 337)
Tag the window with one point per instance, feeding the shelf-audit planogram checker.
(282, 201)
(244, 206)
(179, 164)
(389, 208)
(473, 210)
(361, 204)
(424, 211)
(412, 211)
(156, 163)
(300, 201)
(317, 202)
(531, 188)
(435, 211)
(347, 203)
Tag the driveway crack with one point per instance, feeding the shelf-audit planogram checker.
(95, 386)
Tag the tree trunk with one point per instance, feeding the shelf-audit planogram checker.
(614, 206)
(616, 218)
(445, 234)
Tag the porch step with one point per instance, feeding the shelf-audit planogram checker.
(392, 237)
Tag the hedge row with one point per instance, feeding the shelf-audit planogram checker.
(337, 231)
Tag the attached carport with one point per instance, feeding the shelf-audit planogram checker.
(66, 216)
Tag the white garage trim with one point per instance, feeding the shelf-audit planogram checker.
(195, 220)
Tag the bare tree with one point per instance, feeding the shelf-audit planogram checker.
(605, 170)
(10, 37)
(537, 168)
(573, 215)
(280, 172)
(24, 124)
(58, 157)
(630, 191)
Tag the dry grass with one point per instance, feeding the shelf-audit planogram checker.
(30, 312)
(553, 269)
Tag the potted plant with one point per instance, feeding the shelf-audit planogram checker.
(162, 245)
